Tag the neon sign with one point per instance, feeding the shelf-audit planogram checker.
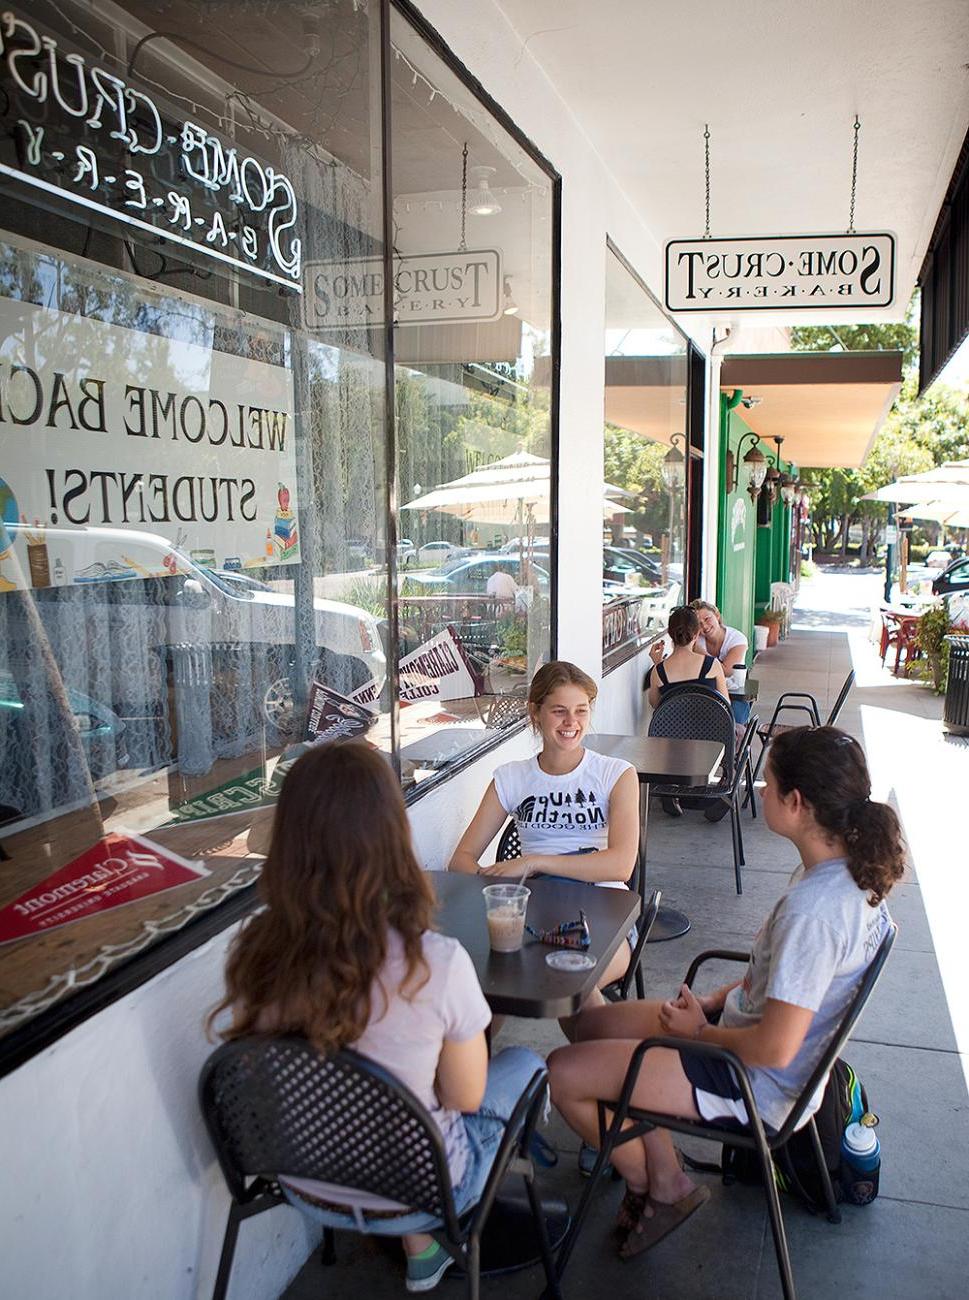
(83, 134)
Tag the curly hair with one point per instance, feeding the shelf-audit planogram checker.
(828, 768)
(340, 874)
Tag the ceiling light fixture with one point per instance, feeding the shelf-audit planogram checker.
(483, 202)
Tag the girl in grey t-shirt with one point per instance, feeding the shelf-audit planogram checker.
(806, 963)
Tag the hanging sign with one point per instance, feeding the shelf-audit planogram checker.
(119, 869)
(786, 271)
(117, 430)
(429, 289)
(87, 137)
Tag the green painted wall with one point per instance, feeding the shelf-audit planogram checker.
(749, 558)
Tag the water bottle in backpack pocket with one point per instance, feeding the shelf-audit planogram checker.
(860, 1161)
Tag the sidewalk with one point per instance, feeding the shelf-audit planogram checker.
(912, 1240)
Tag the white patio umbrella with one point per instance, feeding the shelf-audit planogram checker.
(505, 492)
(946, 484)
(938, 513)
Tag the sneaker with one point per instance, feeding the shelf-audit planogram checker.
(426, 1270)
(671, 806)
(587, 1161)
(542, 1152)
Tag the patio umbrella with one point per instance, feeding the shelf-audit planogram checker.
(938, 513)
(946, 484)
(505, 492)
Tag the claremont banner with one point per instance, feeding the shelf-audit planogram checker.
(121, 868)
(119, 429)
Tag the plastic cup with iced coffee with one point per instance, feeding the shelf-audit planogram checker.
(505, 913)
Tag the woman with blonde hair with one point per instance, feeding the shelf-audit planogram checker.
(344, 953)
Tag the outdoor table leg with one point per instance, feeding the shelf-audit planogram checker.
(669, 923)
(508, 1241)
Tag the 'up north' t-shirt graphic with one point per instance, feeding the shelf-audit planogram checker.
(564, 810)
(560, 814)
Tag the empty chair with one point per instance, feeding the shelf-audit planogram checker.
(775, 727)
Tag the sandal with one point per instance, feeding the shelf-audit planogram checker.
(631, 1209)
(662, 1221)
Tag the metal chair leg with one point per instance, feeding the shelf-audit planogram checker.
(592, 1184)
(553, 1291)
(735, 830)
(834, 1214)
(473, 1265)
(228, 1250)
(751, 797)
(328, 1253)
(777, 1226)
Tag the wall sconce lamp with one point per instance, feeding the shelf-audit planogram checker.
(789, 489)
(772, 479)
(673, 468)
(509, 306)
(755, 462)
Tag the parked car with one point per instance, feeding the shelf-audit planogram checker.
(938, 560)
(406, 553)
(219, 638)
(954, 578)
(438, 552)
(469, 576)
(540, 546)
(100, 729)
(618, 560)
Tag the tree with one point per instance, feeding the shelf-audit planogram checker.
(917, 434)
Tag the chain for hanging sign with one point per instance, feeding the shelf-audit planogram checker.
(463, 245)
(854, 178)
(706, 160)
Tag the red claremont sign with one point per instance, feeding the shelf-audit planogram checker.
(119, 869)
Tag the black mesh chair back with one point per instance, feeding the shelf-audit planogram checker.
(274, 1105)
(690, 712)
(510, 845)
(840, 701)
(506, 710)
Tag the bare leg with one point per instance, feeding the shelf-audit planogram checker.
(415, 1243)
(614, 971)
(588, 1070)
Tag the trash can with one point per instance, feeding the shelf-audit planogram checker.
(955, 716)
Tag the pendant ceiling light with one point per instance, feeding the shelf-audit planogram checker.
(483, 202)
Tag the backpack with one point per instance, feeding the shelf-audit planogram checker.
(795, 1168)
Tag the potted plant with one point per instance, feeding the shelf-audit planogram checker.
(930, 639)
(772, 620)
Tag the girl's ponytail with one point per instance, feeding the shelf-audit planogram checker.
(828, 768)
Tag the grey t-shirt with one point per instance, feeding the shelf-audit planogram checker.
(811, 951)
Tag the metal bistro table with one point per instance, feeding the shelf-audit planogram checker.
(522, 984)
(671, 762)
(748, 692)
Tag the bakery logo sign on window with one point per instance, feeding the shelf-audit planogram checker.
(789, 271)
(428, 289)
(86, 136)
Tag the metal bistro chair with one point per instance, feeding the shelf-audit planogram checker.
(615, 1113)
(510, 846)
(774, 728)
(274, 1105)
(693, 713)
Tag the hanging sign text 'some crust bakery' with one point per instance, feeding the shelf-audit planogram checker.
(784, 271)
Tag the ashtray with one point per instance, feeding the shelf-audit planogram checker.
(569, 960)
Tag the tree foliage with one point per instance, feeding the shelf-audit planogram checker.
(919, 433)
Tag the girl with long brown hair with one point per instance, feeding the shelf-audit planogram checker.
(806, 962)
(344, 953)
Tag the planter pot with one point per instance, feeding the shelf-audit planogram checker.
(773, 633)
(760, 637)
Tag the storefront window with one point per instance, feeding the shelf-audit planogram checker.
(196, 580)
(473, 240)
(192, 461)
(644, 507)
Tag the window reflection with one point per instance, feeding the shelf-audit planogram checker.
(473, 242)
(644, 529)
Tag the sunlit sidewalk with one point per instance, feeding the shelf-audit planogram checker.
(912, 1241)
